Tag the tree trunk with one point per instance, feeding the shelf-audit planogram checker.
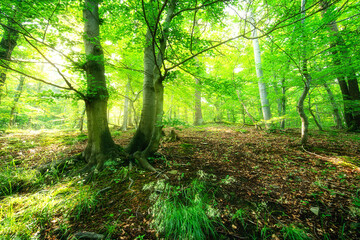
(307, 81)
(336, 114)
(100, 144)
(198, 112)
(342, 60)
(245, 109)
(81, 121)
(131, 114)
(156, 86)
(316, 120)
(147, 119)
(126, 106)
(17, 95)
(283, 103)
(265, 106)
(7, 45)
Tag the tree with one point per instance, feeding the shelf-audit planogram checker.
(7, 45)
(348, 82)
(306, 79)
(265, 105)
(100, 142)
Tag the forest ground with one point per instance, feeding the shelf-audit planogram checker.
(241, 182)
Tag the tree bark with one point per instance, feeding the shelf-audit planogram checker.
(17, 95)
(152, 112)
(265, 105)
(198, 120)
(100, 144)
(145, 128)
(336, 114)
(7, 45)
(342, 60)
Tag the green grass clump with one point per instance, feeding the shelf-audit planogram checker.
(294, 233)
(13, 179)
(185, 213)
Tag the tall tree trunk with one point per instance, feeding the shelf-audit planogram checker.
(283, 103)
(307, 81)
(336, 114)
(100, 144)
(265, 105)
(17, 95)
(342, 60)
(7, 45)
(198, 120)
(144, 131)
(126, 106)
(157, 88)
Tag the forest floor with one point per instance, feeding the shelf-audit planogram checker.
(214, 182)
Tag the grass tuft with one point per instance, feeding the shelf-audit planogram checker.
(182, 213)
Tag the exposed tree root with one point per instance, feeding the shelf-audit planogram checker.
(59, 164)
(143, 162)
(96, 161)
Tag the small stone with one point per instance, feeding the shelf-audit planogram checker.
(315, 210)
(173, 172)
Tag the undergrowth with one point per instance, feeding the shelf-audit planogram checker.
(184, 212)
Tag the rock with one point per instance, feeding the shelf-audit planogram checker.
(315, 210)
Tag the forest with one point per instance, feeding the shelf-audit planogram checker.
(179, 119)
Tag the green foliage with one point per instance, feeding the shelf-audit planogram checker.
(293, 233)
(241, 216)
(86, 202)
(13, 179)
(183, 213)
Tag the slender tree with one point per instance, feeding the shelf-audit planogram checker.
(265, 105)
(306, 79)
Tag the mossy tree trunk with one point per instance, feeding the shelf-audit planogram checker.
(7, 45)
(100, 143)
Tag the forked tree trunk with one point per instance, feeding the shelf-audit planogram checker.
(7, 45)
(100, 144)
(154, 107)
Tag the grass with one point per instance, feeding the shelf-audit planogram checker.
(24, 215)
(292, 232)
(185, 213)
